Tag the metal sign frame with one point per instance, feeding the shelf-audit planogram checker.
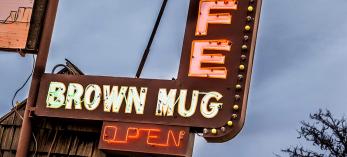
(239, 36)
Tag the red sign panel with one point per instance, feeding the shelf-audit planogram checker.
(20, 24)
(144, 138)
(209, 95)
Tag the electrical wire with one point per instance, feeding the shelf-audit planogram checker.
(34, 155)
(19, 89)
(54, 138)
(60, 65)
(15, 95)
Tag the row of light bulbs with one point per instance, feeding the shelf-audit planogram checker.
(242, 68)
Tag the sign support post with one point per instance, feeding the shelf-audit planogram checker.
(40, 66)
(213, 81)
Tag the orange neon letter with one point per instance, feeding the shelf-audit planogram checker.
(205, 17)
(198, 57)
(135, 136)
(170, 135)
(152, 136)
(110, 135)
(179, 139)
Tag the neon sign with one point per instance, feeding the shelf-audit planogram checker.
(197, 58)
(205, 17)
(60, 97)
(144, 137)
(209, 95)
(198, 46)
(152, 135)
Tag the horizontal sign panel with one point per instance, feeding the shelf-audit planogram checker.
(133, 100)
(20, 24)
(128, 138)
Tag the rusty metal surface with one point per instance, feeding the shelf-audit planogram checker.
(235, 33)
(40, 65)
(246, 81)
(135, 138)
(36, 26)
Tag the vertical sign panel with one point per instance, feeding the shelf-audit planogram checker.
(218, 50)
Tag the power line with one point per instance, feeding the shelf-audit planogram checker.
(21, 87)
(14, 97)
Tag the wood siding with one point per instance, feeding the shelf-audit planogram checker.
(55, 137)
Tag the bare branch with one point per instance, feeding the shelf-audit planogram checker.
(326, 132)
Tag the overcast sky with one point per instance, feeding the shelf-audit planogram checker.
(299, 65)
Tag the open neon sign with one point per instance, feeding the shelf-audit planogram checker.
(112, 135)
(156, 139)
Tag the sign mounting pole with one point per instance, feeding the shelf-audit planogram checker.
(145, 54)
(26, 131)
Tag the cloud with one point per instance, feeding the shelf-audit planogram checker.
(299, 64)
